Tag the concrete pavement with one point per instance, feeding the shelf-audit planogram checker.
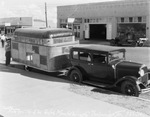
(25, 94)
(29, 94)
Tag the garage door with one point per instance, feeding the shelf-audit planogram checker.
(98, 31)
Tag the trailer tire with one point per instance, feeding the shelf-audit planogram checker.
(27, 68)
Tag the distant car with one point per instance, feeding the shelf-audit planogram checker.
(128, 40)
(107, 67)
(142, 41)
(125, 42)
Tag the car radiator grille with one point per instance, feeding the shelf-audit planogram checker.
(145, 78)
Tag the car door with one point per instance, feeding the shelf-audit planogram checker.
(85, 62)
(101, 70)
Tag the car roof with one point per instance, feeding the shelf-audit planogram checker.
(100, 48)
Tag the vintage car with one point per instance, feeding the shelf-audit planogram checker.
(125, 42)
(105, 66)
(128, 40)
(141, 42)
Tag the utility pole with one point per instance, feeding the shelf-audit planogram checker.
(46, 15)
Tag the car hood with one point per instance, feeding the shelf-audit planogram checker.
(126, 68)
(126, 64)
(129, 65)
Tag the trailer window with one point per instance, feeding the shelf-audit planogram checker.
(43, 60)
(29, 56)
(63, 39)
(35, 49)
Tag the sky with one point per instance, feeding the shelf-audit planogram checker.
(36, 8)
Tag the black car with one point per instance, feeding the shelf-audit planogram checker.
(128, 39)
(107, 67)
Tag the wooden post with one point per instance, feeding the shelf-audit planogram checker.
(46, 15)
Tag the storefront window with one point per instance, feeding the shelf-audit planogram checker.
(122, 19)
(130, 19)
(139, 19)
(88, 20)
(77, 31)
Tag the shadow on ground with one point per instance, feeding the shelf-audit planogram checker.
(49, 76)
(34, 73)
(109, 91)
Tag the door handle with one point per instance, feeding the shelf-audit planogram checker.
(90, 63)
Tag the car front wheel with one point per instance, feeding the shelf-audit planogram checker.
(76, 76)
(129, 88)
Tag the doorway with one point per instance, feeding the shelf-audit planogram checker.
(98, 31)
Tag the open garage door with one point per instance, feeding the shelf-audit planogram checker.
(98, 31)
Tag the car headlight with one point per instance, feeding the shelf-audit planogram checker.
(141, 72)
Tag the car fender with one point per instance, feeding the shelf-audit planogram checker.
(127, 78)
(133, 79)
(76, 68)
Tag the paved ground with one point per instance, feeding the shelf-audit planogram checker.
(29, 94)
(94, 42)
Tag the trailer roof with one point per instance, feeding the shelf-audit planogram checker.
(42, 32)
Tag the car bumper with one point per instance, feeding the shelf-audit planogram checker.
(145, 90)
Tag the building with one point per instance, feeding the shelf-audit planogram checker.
(38, 23)
(8, 25)
(105, 20)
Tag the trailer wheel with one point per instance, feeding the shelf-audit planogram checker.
(128, 88)
(76, 76)
(27, 68)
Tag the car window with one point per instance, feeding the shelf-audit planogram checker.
(116, 56)
(75, 54)
(84, 56)
(99, 58)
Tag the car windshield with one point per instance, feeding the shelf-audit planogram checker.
(115, 56)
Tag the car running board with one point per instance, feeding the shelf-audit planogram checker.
(102, 85)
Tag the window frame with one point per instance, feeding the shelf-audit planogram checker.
(73, 55)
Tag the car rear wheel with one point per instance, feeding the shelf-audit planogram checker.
(129, 88)
(134, 44)
(141, 45)
(76, 76)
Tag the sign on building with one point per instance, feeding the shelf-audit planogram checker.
(7, 24)
(71, 20)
